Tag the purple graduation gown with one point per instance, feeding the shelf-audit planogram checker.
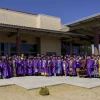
(24, 66)
(89, 64)
(43, 66)
(73, 66)
(10, 69)
(4, 69)
(49, 68)
(39, 66)
(19, 67)
(54, 65)
(77, 63)
(35, 68)
(29, 67)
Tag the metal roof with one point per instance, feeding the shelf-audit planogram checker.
(86, 19)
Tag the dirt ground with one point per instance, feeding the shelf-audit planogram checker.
(59, 92)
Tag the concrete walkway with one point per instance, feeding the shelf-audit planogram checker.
(32, 82)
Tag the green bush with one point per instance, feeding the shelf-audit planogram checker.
(44, 91)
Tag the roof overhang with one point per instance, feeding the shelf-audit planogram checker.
(85, 25)
(35, 31)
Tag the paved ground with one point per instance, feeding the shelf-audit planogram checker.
(32, 82)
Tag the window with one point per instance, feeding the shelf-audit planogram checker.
(64, 48)
(24, 48)
(75, 49)
(28, 48)
(3, 48)
(13, 47)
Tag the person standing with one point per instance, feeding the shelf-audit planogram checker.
(29, 66)
(54, 66)
(59, 66)
(24, 66)
(77, 65)
(14, 66)
(10, 67)
(65, 65)
(4, 68)
(35, 66)
(19, 66)
(95, 65)
(39, 65)
(89, 66)
(72, 67)
(82, 71)
(48, 67)
(43, 66)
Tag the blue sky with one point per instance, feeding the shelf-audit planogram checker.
(67, 10)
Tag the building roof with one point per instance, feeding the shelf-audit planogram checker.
(86, 19)
(38, 29)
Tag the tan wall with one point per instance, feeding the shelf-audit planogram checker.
(48, 22)
(17, 18)
(29, 20)
(50, 45)
(30, 39)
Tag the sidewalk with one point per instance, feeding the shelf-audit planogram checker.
(32, 82)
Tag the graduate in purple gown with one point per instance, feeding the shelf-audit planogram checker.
(39, 65)
(43, 66)
(24, 66)
(29, 66)
(10, 67)
(54, 65)
(74, 67)
(65, 66)
(19, 66)
(89, 64)
(4, 68)
(35, 66)
(49, 67)
(77, 63)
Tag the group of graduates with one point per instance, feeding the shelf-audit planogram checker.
(75, 65)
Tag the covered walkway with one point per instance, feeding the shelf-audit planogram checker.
(89, 26)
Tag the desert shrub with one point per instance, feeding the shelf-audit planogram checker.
(44, 91)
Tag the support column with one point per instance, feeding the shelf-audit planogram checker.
(18, 44)
(96, 41)
(70, 46)
(38, 45)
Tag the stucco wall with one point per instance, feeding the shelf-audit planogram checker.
(30, 20)
(50, 44)
(17, 18)
(48, 22)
